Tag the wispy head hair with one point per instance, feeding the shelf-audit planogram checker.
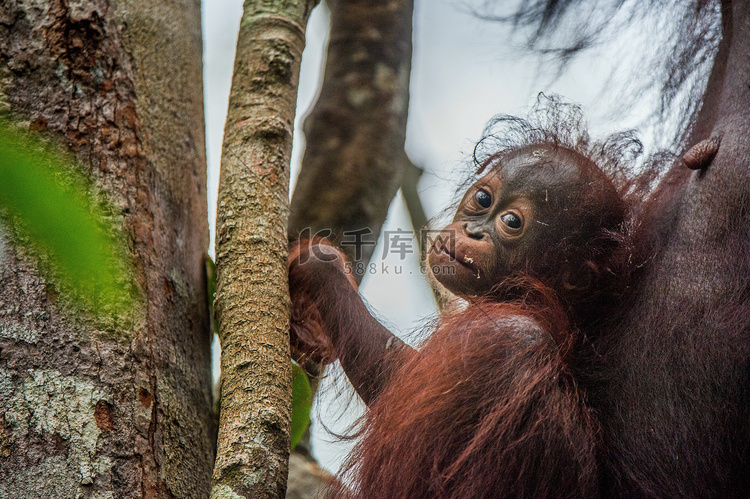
(558, 124)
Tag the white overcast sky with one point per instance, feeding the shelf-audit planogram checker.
(462, 75)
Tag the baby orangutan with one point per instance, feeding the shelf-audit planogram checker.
(489, 406)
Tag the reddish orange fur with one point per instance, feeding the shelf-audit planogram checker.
(486, 406)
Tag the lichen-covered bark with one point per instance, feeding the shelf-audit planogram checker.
(117, 409)
(355, 134)
(252, 301)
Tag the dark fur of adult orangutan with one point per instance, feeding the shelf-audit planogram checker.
(649, 395)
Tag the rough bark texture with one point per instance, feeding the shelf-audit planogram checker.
(355, 134)
(119, 409)
(252, 300)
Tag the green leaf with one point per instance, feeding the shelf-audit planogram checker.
(301, 404)
(52, 212)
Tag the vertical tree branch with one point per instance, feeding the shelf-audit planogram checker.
(355, 134)
(252, 304)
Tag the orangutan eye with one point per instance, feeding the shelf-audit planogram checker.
(483, 198)
(511, 220)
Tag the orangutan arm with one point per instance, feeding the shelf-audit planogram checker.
(330, 321)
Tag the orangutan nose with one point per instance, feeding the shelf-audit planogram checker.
(474, 231)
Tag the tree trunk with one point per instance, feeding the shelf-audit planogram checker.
(94, 408)
(355, 134)
(252, 299)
